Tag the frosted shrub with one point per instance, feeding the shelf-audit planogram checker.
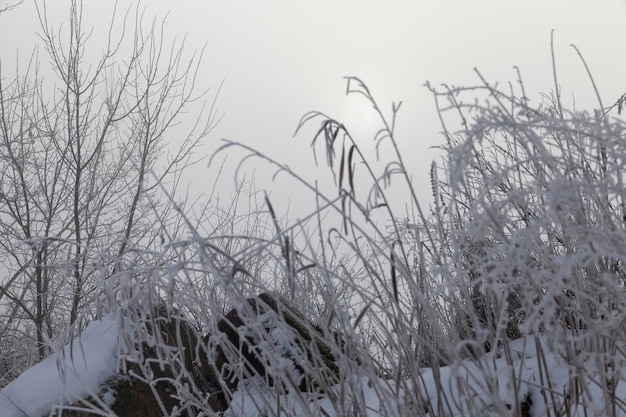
(507, 298)
(533, 200)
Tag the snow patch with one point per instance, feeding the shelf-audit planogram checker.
(75, 372)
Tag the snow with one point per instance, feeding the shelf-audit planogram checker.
(252, 401)
(484, 387)
(480, 387)
(75, 372)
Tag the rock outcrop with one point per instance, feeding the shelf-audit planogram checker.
(268, 329)
(175, 371)
(176, 367)
(170, 367)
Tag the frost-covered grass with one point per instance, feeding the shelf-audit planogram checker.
(523, 245)
(524, 377)
(505, 297)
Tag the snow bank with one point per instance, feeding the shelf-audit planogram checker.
(253, 400)
(66, 376)
(539, 381)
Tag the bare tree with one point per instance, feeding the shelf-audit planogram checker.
(77, 149)
(10, 6)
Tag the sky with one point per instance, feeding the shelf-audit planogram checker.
(278, 59)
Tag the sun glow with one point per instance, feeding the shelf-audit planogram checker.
(360, 117)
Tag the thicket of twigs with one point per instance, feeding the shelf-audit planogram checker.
(525, 238)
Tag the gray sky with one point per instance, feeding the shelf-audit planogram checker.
(282, 58)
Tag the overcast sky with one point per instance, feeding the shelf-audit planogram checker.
(281, 58)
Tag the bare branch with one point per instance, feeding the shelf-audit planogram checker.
(10, 6)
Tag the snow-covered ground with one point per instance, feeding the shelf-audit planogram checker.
(541, 382)
(468, 388)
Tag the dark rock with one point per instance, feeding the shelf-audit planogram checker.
(178, 364)
(158, 381)
(526, 405)
(256, 326)
(184, 372)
